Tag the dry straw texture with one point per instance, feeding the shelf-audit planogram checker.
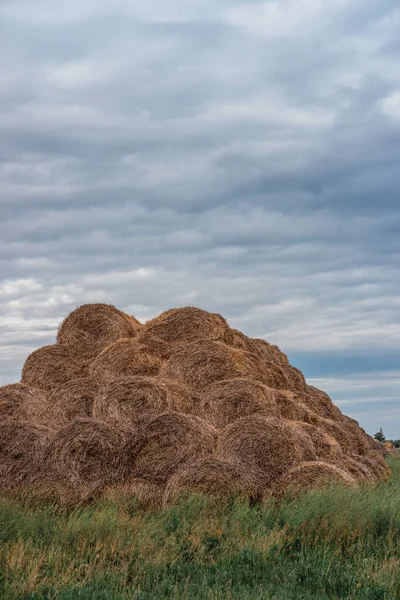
(72, 400)
(87, 454)
(146, 493)
(326, 446)
(267, 447)
(291, 406)
(92, 327)
(21, 452)
(167, 441)
(125, 401)
(124, 358)
(210, 475)
(320, 402)
(51, 366)
(23, 402)
(188, 323)
(311, 475)
(202, 362)
(225, 401)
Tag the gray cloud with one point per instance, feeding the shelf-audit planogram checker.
(240, 156)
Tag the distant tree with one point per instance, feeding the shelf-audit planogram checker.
(396, 443)
(380, 436)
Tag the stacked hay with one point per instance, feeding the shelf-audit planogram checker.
(180, 404)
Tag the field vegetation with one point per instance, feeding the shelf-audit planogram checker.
(336, 543)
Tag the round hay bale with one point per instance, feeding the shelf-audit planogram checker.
(361, 440)
(340, 433)
(312, 475)
(87, 454)
(320, 402)
(202, 362)
(259, 347)
(124, 358)
(239, 340)
(23, 402)
(147, 495)
(267, 351)
(267, 447)
(377, 464)
(92, 327)
(188, 324)
(296, 379)
(51, 366)
(291, 407)
(167, 441)
(72, 400)
(273, 375)
(124, 401)
(22, 446)
(154, 345)
(359, 470)
(224, 401)
(326, 446)
(212, 476)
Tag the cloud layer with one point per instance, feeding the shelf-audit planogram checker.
(239, 156)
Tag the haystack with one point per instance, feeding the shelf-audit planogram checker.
(223, 402)
(87, 455)
(312, 475)
(92, 327)
(169, 440)
(52, 366)
(124, 358)
(183, 402)
(23, 402)
(72, 400)
(266, 447)
(187, 324)
(202, 362)
(125, 401)
(22, 446)
(213, 476)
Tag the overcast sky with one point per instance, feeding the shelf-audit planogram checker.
(241, 156)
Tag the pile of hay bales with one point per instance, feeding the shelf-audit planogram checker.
(180, 404)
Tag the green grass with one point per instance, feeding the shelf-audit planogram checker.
(337, 543)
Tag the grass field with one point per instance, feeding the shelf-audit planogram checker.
(338, 543)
